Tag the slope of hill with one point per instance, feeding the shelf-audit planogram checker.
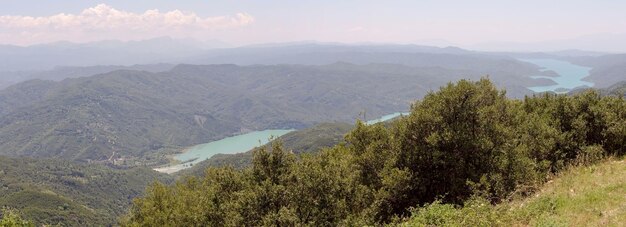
(607, 69)
(138, 117)
(618, 89)
(24, 94)
(606, 76)
(55, 191)
(580, 196)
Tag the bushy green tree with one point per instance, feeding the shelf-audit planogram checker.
(462, 133)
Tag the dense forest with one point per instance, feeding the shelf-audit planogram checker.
(466, 143)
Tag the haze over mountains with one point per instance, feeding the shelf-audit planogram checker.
(169, 50)
(56, 61)
(605, 42)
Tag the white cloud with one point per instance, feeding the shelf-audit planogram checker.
(103, 21)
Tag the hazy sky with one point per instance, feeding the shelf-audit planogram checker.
(476, 23)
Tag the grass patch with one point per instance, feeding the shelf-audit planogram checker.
(580, 196)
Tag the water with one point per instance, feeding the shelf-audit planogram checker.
(386, 117)
(570, 75)
(229, 145)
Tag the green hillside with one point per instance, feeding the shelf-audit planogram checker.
(137, 117)
(56, 191)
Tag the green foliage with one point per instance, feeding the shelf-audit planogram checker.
(460, 150)
(475, 212)
(71, 194)
(10, 218)
(462, 133)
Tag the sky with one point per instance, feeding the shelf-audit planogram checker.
(481, 24)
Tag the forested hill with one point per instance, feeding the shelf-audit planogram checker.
(62, 192)
(138, 117)
(466, 142)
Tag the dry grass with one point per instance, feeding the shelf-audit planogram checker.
(581, 196)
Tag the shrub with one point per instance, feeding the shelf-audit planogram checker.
(10, 218)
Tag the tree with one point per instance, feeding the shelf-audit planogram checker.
(457, 135)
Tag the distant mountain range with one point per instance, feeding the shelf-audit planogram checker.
(167, 50)
(56, 61)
